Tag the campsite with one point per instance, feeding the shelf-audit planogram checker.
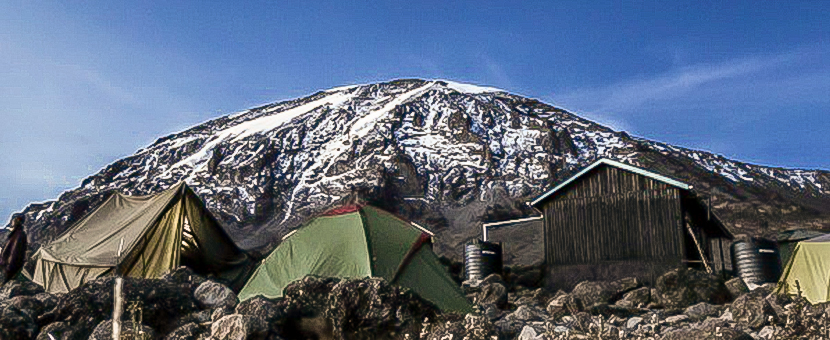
(414, 170)
(359, 272)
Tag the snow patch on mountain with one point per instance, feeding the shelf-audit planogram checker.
(470, 89)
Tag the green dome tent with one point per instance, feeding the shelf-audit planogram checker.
(809, 265)
(358, 242)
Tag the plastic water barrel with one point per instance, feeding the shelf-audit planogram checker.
(482, 259)
(756, 260)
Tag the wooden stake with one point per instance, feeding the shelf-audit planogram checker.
(117, 310)
(118, 304)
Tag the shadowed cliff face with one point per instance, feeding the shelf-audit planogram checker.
(445, 155)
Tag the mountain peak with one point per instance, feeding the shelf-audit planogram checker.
(443, 153)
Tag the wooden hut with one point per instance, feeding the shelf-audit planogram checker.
(613, 220)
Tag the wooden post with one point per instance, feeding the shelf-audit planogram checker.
(699, 249)
(117, 310)
(118, 304)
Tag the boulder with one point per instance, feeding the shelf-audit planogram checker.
(633, 322)
(680, 288)
(675, 319)
(729, 334)
(239, 327)
(701, 311)
(162, 304)
(513, 323)
(16, 323)
(189, 331)
(528, 333)
(58, 330)
(684, 334)
(636, 298)
(521, 296)
(19, 288)
(736, 287)
(200, 317)
(749, 310)
(219, 313)
(492, 312)
(561, 304)
(128, 330)
(372, 307)
(359, 308)
(593, 292)
(183, 275)
(447, 327)
(27, 304)
(260, 306)
(212, 294)
(491, 293)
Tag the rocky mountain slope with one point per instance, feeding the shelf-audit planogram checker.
(446, 155)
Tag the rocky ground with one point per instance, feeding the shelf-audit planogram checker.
(683, 304)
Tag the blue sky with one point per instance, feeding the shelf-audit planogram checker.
(83, 83)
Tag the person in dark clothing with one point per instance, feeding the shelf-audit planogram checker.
(14, 252)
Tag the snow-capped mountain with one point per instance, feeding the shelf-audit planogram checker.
(444, 154)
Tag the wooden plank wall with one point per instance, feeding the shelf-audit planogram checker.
(611, 214)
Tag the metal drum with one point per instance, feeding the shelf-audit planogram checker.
(756, 260)
(482, 259)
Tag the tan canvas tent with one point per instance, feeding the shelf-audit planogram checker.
(155, 232)
(808, 266)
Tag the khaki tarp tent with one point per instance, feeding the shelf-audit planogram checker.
(809, 264)
(358, 242)
(787, 240)
(155, 232)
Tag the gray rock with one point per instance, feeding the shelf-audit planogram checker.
(701, 311)
(730, 334)
(514, 322)
(683, 334)
(27, 304)
(183, 275)
(590, 293)
(766, 333)
(211, 294)
(749, 310)
(680, 288)
(493, 313)
(262, 307)
(635, 298)
(189, 331)
(528, 333)
(219, 313)
(675, 319)
(492, 293)
(633, 322)
(128, 331)
(239, 327)
(58, 330)
(562, 304)
(16, 323)
(19, 288)
(736, 287)
(727, 315)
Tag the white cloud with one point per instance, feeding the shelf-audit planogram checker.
(613, 104)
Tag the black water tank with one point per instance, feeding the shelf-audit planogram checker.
(482, 259)
(756, 260)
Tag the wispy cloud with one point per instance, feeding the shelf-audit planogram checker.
(611, 104)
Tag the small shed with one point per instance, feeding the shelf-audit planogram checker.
(613, 220)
